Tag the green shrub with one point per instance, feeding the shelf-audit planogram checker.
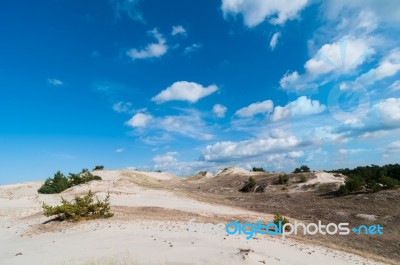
(352, 184)
(258, 169)
(388, 182)
(279, 218)
(251, 183)
(55, 185)
(303, 178)
(98, 168)
(60, 182)
(80, 208)
(303, 168)
(283, 179)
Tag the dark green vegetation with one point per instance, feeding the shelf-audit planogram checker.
(258, 169)
(283, 179)
(81, 208)
(249, 185)
(60, 182)
(303, 178)
(279, 218)
(98, 168)
(370, 178)
(302, 169)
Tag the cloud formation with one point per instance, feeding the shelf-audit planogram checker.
(219, 110)
(152, 50)
(274, 40)
(255, 108)
(302, 106)
(184, 91)
(255, 12)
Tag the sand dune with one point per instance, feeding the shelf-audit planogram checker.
(150, 226)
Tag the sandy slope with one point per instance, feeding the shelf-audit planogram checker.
(150, 226)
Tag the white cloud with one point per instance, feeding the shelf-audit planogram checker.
(157, 130)
(122, 107)
(388, 66)
(274, 40)
(256, 11)
(152, 50)
(219, 110)
(140, 120)
(255, 108)
(228, 151)
(169, 157)
(390, 112)
(55, 82)
(350, 151)
(119, 150)
(289, 80)
(385, 10)
(185, 91)
(344, 55)
(178, 30)
(192, 48)
(300, 107)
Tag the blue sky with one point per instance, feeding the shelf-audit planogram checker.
(184, 86)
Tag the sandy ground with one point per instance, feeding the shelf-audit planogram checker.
(150, 226)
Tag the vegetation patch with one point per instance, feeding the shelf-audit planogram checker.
(370, 178)
(302, 169)
(81, 208)
(59, 182)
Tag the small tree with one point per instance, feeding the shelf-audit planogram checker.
(98, 168)
(251, 183)
(258, 169)
(279, 218)
(80, 208)
(303, 178)
(283, 179)
(305, 168)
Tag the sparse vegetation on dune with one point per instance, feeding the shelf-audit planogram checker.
(59, 182)
(101, 167)
(81, 208)
(370, 178)
(302, 169)
(258, 169)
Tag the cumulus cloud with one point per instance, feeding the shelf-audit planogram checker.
(274, 40)
(255, 12)
(230, 151)
(219, 110)
(388, 66)
(140, 120)
(156, 130)
(300, 107)
(152, 50)
(185, 91)
(345, 55)
(178, 30)
(169, 157)
(255, 108)
(55, 82)
(336, 58)
(390, 112)
(122, 107)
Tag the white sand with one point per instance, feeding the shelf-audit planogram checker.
(146, 241)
